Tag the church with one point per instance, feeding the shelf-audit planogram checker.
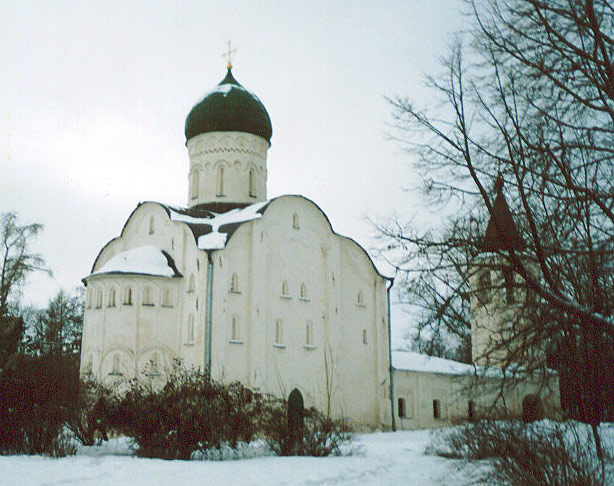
(257, 290)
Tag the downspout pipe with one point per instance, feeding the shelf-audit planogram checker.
(391, 368)
(209, 314)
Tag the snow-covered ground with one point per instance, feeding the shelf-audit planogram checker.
(378, 459)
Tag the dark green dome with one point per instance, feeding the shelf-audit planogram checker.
(229, 107)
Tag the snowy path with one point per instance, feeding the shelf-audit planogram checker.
(384, 459)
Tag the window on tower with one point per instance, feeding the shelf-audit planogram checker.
(219, 191)
(508, 277)
(152, 226)
(194, 188)
(252, 182)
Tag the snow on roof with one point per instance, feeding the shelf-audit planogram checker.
(410, 361)
(215, 240)
(145, 260)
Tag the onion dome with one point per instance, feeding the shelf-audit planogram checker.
(229, 107)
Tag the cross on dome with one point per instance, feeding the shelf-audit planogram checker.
(228, 54)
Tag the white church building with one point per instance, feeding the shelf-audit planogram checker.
(258, 290)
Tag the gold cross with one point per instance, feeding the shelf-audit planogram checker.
(228, 55)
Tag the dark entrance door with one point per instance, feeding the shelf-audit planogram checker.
(295, 412)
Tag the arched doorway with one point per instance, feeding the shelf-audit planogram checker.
(295, 412)
(532, 409)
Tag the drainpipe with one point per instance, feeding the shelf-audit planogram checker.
(394, 426)
(208, 313)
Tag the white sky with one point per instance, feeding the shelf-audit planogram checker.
(94, 95)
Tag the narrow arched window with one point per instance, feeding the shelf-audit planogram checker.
(147, 298)
(304, 295)
(152, 225)
(111, 302)
(508, 277)
(235, 329)
(234, 283)
(279, 332)
(484, 287)
(89, 298)
(190, 331)
(364, 336)
(309, 334)
(296, 224)
(220, 181)
(252, 182)
(166, 298)
(360, 299)
(192, 284)
(194, 188)
(284, 289)
(116, 369)
(98, 298)
(128, 296)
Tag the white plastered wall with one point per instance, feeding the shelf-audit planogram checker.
(265, 252)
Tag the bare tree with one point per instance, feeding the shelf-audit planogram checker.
(529, 99)
(16, 262)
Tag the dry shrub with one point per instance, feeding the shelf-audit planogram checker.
(542, 453)
(36, 400)
(189, 413)
(318, 436)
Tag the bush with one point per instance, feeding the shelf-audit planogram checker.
(189, 413)
(83, 420)
(541, 453)
(36, 399)
(318, 436)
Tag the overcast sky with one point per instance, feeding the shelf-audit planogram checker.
(94, 96)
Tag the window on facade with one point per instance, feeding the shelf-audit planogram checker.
(98, 298)
(88, 302)
(401, 407)
(508, 277)
(470, 410)
(192, 284)
(147, 297)
(484, 287)
(360, 299)
(152, 225)
(166, 298)
(309, 334)
(116, 368)
(252, 183)
(219, 186)
(304, 292)
(364, 336)
(279, 332)
(190, 332)
(436, 409)
(194, 188)
(284, 289)
(235, 330)
(296, 224)
(111, 302)
(128, 296)
(234, 283)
